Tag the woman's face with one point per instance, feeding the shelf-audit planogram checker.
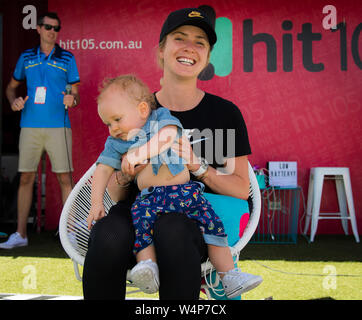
(186, 51)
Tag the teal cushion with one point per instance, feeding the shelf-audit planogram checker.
(233, 212)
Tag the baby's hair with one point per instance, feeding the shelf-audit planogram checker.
(134, 87)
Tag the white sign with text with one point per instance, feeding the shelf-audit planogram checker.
(283, 174)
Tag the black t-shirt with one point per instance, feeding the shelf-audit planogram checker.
(217, 129)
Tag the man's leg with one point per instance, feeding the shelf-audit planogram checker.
(65, 183)
(30, 151)
(25, 197)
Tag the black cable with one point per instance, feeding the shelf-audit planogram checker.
(66, 146)
(68, 157)
(306, 274)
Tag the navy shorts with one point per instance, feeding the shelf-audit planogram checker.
(182, 198)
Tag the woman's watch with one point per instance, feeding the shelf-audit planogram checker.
(203, 168)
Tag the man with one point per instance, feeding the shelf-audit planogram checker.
(45, 125)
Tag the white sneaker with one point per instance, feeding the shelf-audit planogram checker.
(145, 276)
(15, 240)
(236, 282)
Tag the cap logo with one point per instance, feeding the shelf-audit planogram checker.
(195, 14)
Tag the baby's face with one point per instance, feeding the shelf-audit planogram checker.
(120, 114)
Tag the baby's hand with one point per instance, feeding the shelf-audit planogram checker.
(96, 213)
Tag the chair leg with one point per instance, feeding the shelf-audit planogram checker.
(348, 188)
(317, 196)
(342, 203)
(309, 203)
(76, 271)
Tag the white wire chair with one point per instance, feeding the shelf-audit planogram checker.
(74, 233)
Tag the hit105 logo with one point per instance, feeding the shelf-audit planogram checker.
(221, 60)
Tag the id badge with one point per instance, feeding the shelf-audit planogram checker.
(40, 95)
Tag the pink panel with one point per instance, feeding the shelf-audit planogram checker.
(310, 117)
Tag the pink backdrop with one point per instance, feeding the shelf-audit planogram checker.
(310, 117)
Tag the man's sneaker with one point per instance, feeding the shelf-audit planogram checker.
(15, 240)
(145, 276)
(236, 282)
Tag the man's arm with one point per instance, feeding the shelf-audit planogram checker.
(73, 99)
(75, 93)
(16, 104)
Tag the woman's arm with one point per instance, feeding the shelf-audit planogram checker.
(118, 186)
(119, 183)
(232, 180)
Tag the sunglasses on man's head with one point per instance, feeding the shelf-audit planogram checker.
(49, 27)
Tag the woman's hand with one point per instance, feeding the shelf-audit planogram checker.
(123, 179)
(183, 148)
(233, 180)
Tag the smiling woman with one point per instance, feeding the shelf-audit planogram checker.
(185, 43)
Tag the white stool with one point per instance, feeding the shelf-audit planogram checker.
(344, 193)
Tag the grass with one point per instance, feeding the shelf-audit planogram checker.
(306, 271)
(46, 261)
(299, 271)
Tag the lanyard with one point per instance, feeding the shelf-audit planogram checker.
(42, 67)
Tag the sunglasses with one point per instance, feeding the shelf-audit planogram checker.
(50, 27)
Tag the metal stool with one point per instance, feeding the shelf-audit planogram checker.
(345, 197)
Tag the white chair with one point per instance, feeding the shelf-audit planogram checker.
(344, 194)
(74, 232)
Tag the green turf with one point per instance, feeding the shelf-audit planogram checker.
(299, 271)
(324, 269)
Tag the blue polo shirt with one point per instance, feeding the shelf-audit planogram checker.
(53, 72)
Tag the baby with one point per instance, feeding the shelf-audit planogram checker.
(141, 133)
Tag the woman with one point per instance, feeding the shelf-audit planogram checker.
(186, 40)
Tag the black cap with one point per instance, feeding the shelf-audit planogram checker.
(189, 16)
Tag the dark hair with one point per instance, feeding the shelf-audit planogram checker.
(51, 15)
